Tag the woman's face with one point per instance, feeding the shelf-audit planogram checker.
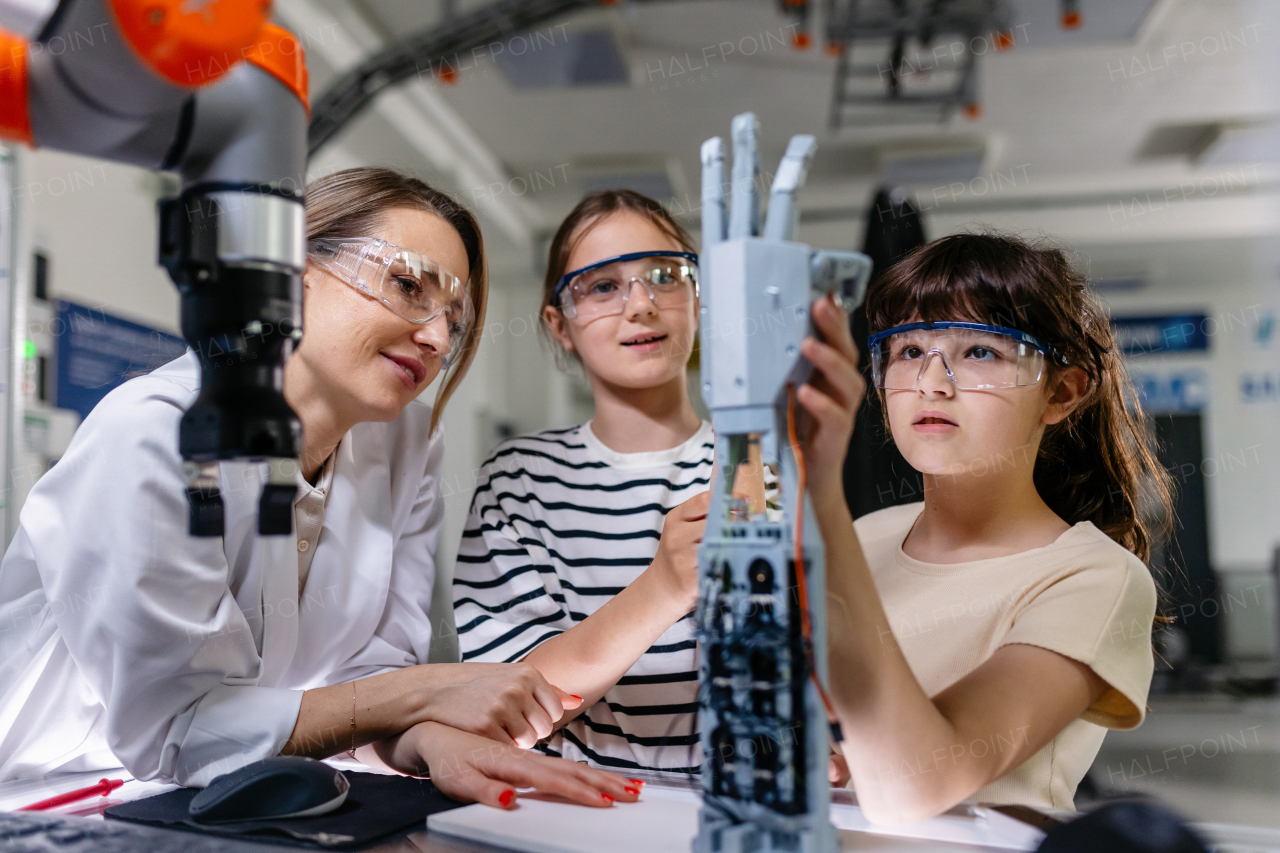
(367, 360)
(981, 434)
(644, 346)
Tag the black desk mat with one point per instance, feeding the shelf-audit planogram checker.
(378, 807)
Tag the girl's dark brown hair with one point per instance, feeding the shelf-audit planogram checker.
(1099, 463)
(594, 207)
(355, 202)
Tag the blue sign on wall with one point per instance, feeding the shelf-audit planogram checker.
(1170, 333)
(1166, 394)
(1260, 386)
(95, 352)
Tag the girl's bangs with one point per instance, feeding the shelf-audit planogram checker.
(933, 292)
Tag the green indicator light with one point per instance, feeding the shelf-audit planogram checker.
(30, 349)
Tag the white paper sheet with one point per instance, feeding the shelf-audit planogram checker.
(540, 826)
(666, 819)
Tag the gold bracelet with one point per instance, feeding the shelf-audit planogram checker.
(352, 751)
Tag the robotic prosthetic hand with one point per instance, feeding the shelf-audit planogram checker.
(764, 729)
(214, 92)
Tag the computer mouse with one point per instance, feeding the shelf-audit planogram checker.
(280, 787)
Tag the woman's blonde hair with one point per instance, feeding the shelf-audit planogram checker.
(355, 202)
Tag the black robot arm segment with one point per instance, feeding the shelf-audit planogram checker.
(234, 244)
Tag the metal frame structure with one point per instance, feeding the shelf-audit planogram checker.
(900, 22)
(353, 90)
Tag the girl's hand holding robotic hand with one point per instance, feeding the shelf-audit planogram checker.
(830, 401)
(676, 562)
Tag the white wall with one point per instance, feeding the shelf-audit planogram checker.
(1241, 466)
(97, 224)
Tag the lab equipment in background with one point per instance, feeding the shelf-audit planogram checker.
(1125, 827)
(161, 84)
(765, 721)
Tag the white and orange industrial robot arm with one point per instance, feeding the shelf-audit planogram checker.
(215, 92)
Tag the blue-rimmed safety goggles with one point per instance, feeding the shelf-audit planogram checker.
(602, 288)
(975, 356)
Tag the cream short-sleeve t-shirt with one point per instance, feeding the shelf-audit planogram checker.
(1084, 596)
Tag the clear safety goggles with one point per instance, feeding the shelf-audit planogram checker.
(669, 279)
(975, 356)
(409, 283)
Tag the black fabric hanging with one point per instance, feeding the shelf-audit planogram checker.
(875, 474)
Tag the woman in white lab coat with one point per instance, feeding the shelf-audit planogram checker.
(123, 640)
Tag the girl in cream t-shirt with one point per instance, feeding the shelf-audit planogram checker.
(982, 641)
(1083, 596)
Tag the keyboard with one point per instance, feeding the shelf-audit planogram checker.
(31, 832)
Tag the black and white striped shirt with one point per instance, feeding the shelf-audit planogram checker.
(559, 524)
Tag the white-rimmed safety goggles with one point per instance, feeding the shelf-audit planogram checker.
(669, 279)
(409, 283)
(975, 356)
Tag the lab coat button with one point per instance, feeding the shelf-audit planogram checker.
(303, 545)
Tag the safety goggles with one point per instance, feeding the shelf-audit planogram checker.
(669, 279)
(412, 285)
(975, 356)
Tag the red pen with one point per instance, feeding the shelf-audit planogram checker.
(104, 787)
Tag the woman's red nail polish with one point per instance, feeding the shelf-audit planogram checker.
(506, 797)
(608, 799)
(636, 782)
(579, 698)
(635, 792)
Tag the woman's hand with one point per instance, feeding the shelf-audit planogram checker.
(676, 563)
(473, 769)
(830, 398)
(510, 703)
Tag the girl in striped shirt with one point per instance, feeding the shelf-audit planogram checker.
(579, 555)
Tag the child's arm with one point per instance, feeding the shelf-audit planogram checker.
(589, 658)
(908, 754)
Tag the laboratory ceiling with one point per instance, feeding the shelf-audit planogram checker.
(1084, 131)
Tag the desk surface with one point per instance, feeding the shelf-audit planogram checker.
(862, 842)
(1224, 838)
